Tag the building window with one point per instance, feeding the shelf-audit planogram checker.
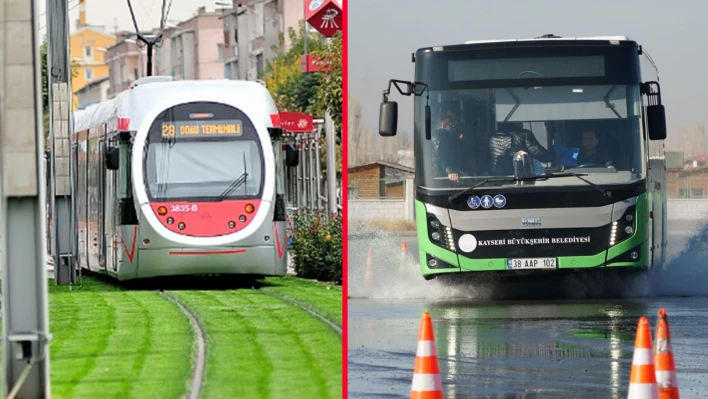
(259, 65)
(220, 51)
(227, 70)
(697, 193)
(88, 52)
(89, 74)
(683, 193)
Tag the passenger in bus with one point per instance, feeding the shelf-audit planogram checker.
(591, 153)
(509, 139)
(450, 149)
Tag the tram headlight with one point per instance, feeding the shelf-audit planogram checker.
(250, 208)
(232, 224)
(181, 225)
(162, 211)
(170, 220)
(242, 218)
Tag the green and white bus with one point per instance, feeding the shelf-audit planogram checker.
(534, 155)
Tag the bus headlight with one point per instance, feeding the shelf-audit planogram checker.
(440, 235)
(624, 227)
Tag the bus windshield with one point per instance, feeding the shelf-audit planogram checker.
(203, 159)
(593, 127)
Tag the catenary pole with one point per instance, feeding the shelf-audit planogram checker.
(23, 226)
(60, 100)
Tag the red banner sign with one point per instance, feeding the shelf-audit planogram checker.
(309, 63)
(296, 122)
(324, 15)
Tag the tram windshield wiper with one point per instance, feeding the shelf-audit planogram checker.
(510, 179)
(240, 181)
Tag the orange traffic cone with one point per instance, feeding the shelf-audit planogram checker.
(368, 274)
(642, 378)
(664, 360)
(403, 261)
(426, 373)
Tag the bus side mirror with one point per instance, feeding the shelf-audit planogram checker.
(292, 155)
(388, 118)
(112, 158)
(656, 121)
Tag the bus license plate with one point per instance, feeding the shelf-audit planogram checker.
(531, 263)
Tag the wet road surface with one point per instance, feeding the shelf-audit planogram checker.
(570, 345)
(488, 349)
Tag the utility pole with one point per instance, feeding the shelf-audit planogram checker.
(60, 100)
(24, 275)
(331, 140)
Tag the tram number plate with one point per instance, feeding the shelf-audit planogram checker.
(531, 263)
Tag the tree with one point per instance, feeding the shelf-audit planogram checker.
(291, 89)
(329, 93)
(311, 93)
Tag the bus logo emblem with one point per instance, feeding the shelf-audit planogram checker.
(531, 222)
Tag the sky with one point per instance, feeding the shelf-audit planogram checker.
(147, 12)
(383, 34)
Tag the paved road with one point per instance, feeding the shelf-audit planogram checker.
(492, 349)
(569, 346)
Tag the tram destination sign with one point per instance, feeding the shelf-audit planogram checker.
(185, 129)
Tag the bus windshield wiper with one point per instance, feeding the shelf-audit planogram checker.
(233, 186)
(606, 193)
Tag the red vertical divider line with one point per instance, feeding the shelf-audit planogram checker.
(345, 199)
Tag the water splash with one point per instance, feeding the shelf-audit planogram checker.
(685, 272)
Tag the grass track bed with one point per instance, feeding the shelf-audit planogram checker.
(115, 343)
(325, 299)
(264, 347)
(110, 343)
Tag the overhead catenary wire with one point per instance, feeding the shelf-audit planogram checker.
(152, 40)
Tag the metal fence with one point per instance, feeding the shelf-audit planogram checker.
(377, 189)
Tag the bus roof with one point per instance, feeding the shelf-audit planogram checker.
(551, 37)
